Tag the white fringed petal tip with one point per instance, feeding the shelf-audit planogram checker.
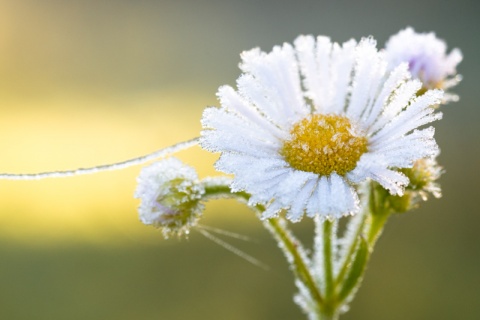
(308, 122)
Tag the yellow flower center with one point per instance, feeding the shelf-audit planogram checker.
(324, 144)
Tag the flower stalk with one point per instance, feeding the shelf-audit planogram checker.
(331, 290)
(295, 255)
(328, 268)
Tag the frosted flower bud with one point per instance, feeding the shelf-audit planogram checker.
(423, 178)
(426, 56)
(170, 195)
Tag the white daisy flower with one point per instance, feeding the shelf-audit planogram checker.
(170, 196)
(302, 146)
(426, 56)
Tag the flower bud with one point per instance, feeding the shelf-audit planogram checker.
(170, 195)
(423, 178)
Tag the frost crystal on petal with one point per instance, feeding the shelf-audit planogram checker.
(170, 195)
(309, 122)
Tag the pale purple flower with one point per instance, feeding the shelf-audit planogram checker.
(426, 56)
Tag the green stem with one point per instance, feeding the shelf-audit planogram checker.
(376, 227)
(328, 316)
(329, 311)
(222, 191)
(301, 270)
(327, 259)
(369, 229)
(380, 211)
(351, 251)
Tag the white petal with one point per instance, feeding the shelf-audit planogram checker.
(314, 61)
(215, 142)
(272, 211)
(417, 114)
(402, 152)
(327, 69)
(232, 101)
(286, 192)
(399, 101)
(343, 198)
(391, 180)
(278, 73)
(374, 166)
(369, 69)
(333, 198)
(323, 193)
(266, 102)
(313, 205)
(223, 121)
(300, 201)
(262, 168)
(343, 59)
(398, 75)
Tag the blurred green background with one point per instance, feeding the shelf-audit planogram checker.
(86, 82)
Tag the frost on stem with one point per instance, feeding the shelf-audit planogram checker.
(170, 195)
(107, 167)
(305, 301)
